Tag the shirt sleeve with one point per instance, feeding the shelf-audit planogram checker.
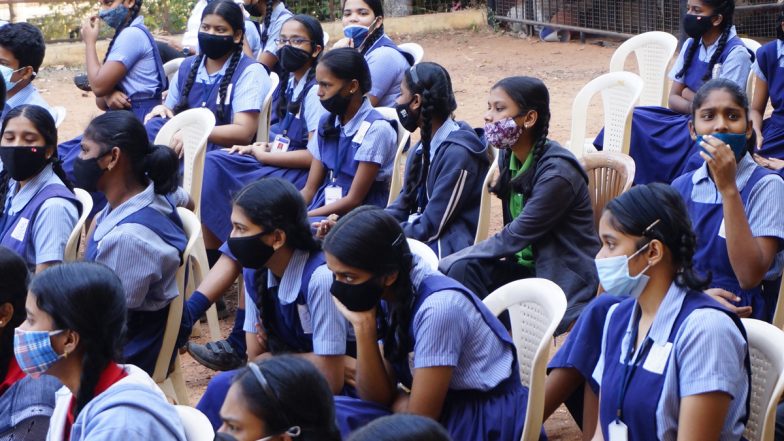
(250, 89)
(129, 47)
(329, 325)
(709, 354)
(764, 208)
(440, 330)
(313, 109)
(53, 225)
(385, 65)
(251, 313)
(179, 197)
(313, 147)
(254, 39)
(378, 145)
(736, 66)
(679, 62)
(274, 34)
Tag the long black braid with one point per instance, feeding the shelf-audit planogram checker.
(727, 10)
(186, 88)
(267, 22)
(372, 39)
(226, 80)
(315, 35)
(134, 12)
(434, 85)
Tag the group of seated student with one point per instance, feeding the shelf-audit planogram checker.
(343, 332)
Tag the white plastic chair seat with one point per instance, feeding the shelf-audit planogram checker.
(171, 67)
(535, 306)
(197, 426)
(60, 113)
(422, 250)
(653, 51)
(263, 133)
(620, 92)
(403, 136)
(72, 246)
(767, 378)
(413, 49)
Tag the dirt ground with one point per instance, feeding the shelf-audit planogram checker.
(475, 60)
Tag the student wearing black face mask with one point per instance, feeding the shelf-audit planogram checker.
(355, 147)
(221, 78)
(287, 288)
(39, 208)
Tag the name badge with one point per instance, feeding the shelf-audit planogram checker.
(657, 358)
(618, 431)
(20, 229)
(332, 194)
(280, 144)
(363, 128)
(722, 230)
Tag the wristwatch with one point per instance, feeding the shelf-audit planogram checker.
(186, 51)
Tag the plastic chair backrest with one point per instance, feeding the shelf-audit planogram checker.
(196, 126)
(197, 426)
(413, 49)
(425, 252)
(326, 38)
(403, 135)
(483, 224)
(620, 93)
(171, 67)
(535, 306)
(71, 253)
(262, 135)
(609, 175)
(192, 227)
(653, 51)
(767, 378)
(60, 113)
(753, 45)
(778, 314)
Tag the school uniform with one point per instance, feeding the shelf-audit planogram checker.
(27, 403)
(278, 16)
(39, 218)
(769, 67)
(29, 95)
(446, 212)
(245, 93)
(387, 65)
(661, 144)
(694, 346)
(142, 241)
(552, 236)
(451, 327)
(367, 137)
(225, 174)
(762, 193)
(127, 405)
(297, 313)
(191, 36)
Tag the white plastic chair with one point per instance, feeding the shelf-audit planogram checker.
(72, 246)
(609, 175)
(767, 378)
(403, 135)
(620, 93)
(172, 383)
(535, 306)
(413, 49)
(326, 39)
(425, 252)
(753, 45)
(778, 314)
(197, 426)
(653, 51)
(60, 113)
(171, 67)
(262, 135)
(483, 224)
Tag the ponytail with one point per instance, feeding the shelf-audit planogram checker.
(161, 165)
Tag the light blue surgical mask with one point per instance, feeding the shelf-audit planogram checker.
(614, 275)
(357, 33)
(114, 17)
(736, 141)
(7, 74)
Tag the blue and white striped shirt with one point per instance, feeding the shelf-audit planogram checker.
(319, 316)
(279, 16)
(707, 355)
(28, 95)
(145, 263)
(779, 56)
(450, 331)
(736, 66)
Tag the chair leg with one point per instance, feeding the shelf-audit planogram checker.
(167, 388)
(177, 381)
(213, 323)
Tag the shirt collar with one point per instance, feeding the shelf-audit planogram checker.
(354, 123)
(289, 285)
(420, 270)
(297, 86)
(32, 188)
(709, 50)
(108, 218)
(440, 136)
(203, 77)
(139, 20)
(745, 169)
(277, 11)
(661, 328)
(21, 97)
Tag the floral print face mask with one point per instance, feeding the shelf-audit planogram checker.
(503, 134)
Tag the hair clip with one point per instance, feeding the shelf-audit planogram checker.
(648, 229)
(414, 76)
(399, 240)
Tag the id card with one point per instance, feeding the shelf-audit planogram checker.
(332, 193)
(20, 229)
(722, 230)
(618, 431)
(280, 144)
(657, 358)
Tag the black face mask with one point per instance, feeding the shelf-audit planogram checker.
(87, 172)
(408, 119)
(250, 251)
(696, 26)
(358, 298)
(216, 46)
(23, 162)
(253, 10)
(292, 58)
(336, 104)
